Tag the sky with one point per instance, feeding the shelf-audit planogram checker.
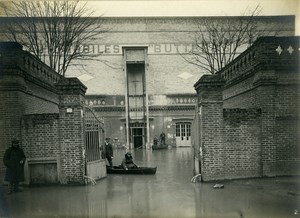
(191, 8)
(140, 8)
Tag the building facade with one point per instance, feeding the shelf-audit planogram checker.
(141, 85)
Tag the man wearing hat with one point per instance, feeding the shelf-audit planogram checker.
(14, 159)
(109, 153)
(127, 162)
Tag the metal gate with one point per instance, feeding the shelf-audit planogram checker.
(94, 136)
(95, 167)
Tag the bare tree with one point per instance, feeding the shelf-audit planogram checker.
(53, 31)
(218, 42)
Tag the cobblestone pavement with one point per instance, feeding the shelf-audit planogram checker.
(169, 193)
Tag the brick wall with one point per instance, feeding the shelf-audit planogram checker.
(287, 145)
(270, 81)
(40, 135)
(23, 90)
(242, 143)
(260, 98)
(276, 101)
(240, 95)
(33, 108)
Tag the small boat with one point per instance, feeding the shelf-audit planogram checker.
(139, 170)
(159, 147)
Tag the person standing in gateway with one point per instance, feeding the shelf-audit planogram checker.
(14, 159)
(109, 153)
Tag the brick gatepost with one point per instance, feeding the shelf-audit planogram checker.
(71, 134)
(209, 90)
(266, 98)
(11, 84)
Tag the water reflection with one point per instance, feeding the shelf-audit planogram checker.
(152, 195)
(169, 193)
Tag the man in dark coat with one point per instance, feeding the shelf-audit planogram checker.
(162, 138)
(14, 159)
(109, 153)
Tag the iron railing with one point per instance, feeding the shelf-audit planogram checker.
(94, 135)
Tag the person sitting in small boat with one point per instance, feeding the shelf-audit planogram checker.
(155, 141)
(128, 163)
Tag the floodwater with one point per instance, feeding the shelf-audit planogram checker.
(169, 193)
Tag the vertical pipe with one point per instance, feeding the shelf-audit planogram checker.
(85, 143)
(93, 137)
(144, 132)
(147, 106)
(126, 99)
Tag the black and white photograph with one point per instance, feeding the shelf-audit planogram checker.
(150, 108)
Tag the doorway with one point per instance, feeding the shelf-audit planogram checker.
(183, 134)
(137, 137)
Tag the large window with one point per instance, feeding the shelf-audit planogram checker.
(183, 130)
(136, 90)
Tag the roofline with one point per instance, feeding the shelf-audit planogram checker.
(174, 17)
(192, 17)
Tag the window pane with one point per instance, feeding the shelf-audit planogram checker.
(182, 129)
(188, 129)
(177, 130)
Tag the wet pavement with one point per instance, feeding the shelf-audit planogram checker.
(169, 193)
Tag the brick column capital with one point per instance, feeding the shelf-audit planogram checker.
(71, 86)
(207, 82)
(209, 88)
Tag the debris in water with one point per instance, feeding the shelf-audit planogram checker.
(218, 186)
(91, 179)
(196, 178)
(294, 193)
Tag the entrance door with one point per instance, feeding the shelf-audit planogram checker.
(137, 137)
(183, 134)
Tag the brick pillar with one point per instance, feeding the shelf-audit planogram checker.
(265, 81)
(209, 90)
(11, 85)
(71, 134)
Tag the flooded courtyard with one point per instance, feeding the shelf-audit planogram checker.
(168, 193)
